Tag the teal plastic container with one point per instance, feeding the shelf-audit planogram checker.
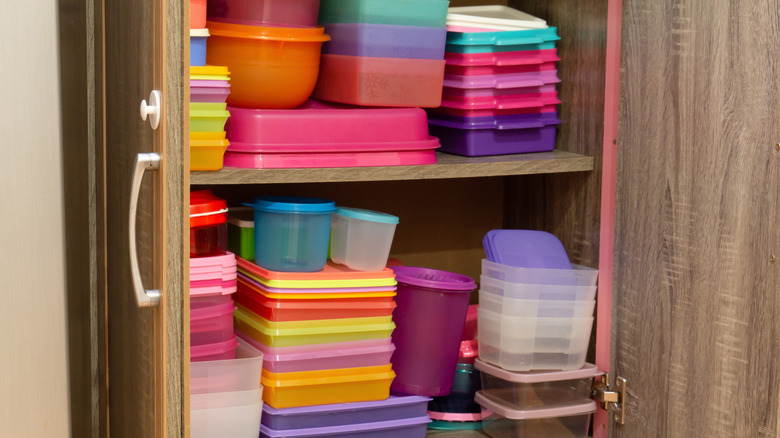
(430, 13)
(241, 232)
(292, 233)
(502, 41)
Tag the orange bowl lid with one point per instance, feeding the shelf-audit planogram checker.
(299, 34)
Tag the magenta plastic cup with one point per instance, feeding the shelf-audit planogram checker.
(429, 316)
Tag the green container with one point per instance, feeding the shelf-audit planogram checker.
(208, 117)
(429, 13)
(241, 232)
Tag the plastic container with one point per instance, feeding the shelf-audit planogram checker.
(216, 351)
(433, 303)
(406, 427)
(211, 290)
(499, 100)
(316, 348)
(330, 277)
(277, 13)
(197, 14)
(241, 232)
(537, 389)
(292, 233)
(431, 13)
(272, 67)
(510, 75)
(207, 154)
(214, 282)
(198, 39)
(577, 276)
(208, 117)
(255, 328)
(248, 285)
(309, 388)
(376, 81)
(564, 422)
(492, 112)
(526, 57)
(497, 303)
(239, 374)
(305, 160)
(481, 136)
(501, 80)
(502, 41)
(343, 414)
(495, 17)
(211, 319)
(274, 309)
(525, 344)
(209, 94)
(361, 239)
(460, 400)
(225, 262)
(329, 128)
(208, 225)
(526, 249)
(233, 414)
(385, 40)
(213, 74)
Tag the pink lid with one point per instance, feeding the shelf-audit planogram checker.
(312, 348)
(210, 307)
(531, 414)
(524, 57)
(221, 276)
(318, 160)
(496, 92)
(533, 79)
(214, 282)
(212, 290)
(587, 371)
(492, 112)
(202, 350)
(229, 259)
(452, 416)
(213, 270)
(209, 83)
(530, 100)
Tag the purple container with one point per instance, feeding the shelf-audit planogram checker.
(208, 94)
(385, 40)
(341, 414)
(429, 317)
(499, 135)
(406, 428)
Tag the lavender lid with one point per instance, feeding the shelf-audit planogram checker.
(266, 431)
(433, 278)
(355, 406)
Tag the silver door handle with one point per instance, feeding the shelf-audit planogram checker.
(144, 297)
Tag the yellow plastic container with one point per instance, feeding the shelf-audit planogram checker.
(210, 72)
(343, 385)
(316, 323)
(207, 154)
(208, 135)
(289, 336)
(321, 284)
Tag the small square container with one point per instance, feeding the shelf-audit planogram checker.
(406, 427)
(377, 81)
(385, 40)
(213, 277)
(343, 385)
(361, 239)
(277, 13)
(208, 117)
(216, 351)
(502, 41)
(494, 17)
(241, 232)
(197, 14)
(198, 39)
(431, 13)
(209, 74)
(208, 225)
(563, 422)
(537, 389)
(395, 407)
(211, 319)
(234, 414)
(239, 374)
(577, 276)
(292, 233)
(207, 154)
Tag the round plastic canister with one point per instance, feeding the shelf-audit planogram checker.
(292, 233)
(429, 316)
(198, 39)
(361, 239)
(208, 224)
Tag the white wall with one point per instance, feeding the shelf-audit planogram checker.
(33, 333)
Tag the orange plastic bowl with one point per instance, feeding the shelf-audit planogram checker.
(271, 67)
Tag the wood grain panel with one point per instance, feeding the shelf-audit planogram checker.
(696, 315)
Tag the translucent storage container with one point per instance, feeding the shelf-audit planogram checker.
(198, 46)
(309, 388)
(361, 239)
(525, 344)
(216, 351)
(241, 232)
(221, 263)
(239, 374)
(342, 414)
(564, 422)
(233, 414)
(274, 309)
(577, 276)
(545, 292)
(385, 40)
(209, 94)
(208, 225)
(292, 233)
(432, 13)
(279, 13)
(207, 154)
(211, 319)
(406, 427)
(536, 389)
(500, 304)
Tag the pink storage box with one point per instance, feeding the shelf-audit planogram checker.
(497, 92)
(532, 79)
(211, 319)
(315, 160)
(500, 101)
(221, 276)
(525, 57)
(369, 81)
(227, 260)
(471, 70)
(215, 270)
(215, 351)
(328, 127)
(208, 94)
(205, 291)
(214, 282)
(287, 360)
(208, 83)
(493, 112)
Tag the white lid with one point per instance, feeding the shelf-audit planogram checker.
(243, 217)
(199, 33)
(587, 371)
(493, 17)
(501, 409)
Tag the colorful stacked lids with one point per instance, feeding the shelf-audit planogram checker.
(499, 95)
(209, 88)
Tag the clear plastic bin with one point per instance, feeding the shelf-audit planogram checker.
(530, 291)
(564, 422)
(361, 239)
(239, 374)
(211, 319)
(226, 414)
(577, 276)
(498, 303)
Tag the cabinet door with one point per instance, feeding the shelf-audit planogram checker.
(145, 49)
(698, 206)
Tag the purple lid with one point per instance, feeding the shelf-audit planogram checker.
(433, 278)
(266, 431)
(393, 400)
(526, 249)
(513, 121)
(501, 409)
(587, 371)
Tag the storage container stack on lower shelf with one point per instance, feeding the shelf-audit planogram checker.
(499, 94)
(209, 88)
(535, 318)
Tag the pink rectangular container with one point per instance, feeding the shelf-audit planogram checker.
(496, 92)
(525, 57)
(470, 70)
(336, 159)
(211, 319)
(500, 101)
(532, 79)
(206, 291)
(328, 127)
(214, 282)
(209, 276)
(370, 81)
(493, 112)
(224, 261)
(276, 13)
(213, 270)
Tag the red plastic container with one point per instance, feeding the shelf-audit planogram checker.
(208, 224)
(197, 14)
(274, 309)
(211, 319)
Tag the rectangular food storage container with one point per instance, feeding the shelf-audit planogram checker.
(406, 427)
(563, 422)
(208, 117)
(385, 40)
(361, 239)
(494, 17)
(234, 414)
(216, 351)
(502, 41)
(577, 276)
(198, 39)
(308, 160)
(239, 374)
(211, 319)
(497, 302)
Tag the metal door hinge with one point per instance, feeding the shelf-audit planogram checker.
(611, 396)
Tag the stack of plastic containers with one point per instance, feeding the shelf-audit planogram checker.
(535, 313)
(198, 32)
(383, 52)
(499, 94)
(209, 88)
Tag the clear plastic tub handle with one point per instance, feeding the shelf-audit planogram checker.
(143, 297)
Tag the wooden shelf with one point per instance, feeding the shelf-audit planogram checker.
(448, 166)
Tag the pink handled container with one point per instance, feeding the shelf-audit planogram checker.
(338, 159)
(524, 57)
(211, 319)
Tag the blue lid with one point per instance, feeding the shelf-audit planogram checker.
(367, 215)
(293, 204)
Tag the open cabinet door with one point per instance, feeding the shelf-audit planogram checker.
(147, 352)
(697, 275)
